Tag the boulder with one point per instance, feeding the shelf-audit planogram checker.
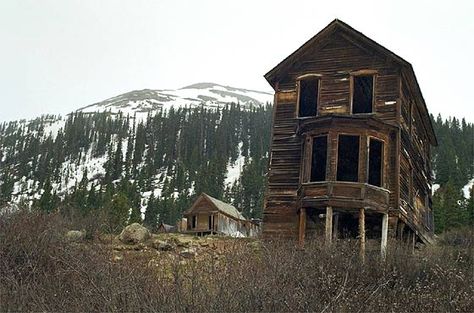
(134, 233)
(75, 235)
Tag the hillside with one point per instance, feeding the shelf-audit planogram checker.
(167, 153)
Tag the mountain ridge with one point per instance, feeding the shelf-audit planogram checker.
(207, 94)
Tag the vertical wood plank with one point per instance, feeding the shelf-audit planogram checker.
(328, 224)
(335, 226)
(362, 233)
(302, 227)
(383, 244)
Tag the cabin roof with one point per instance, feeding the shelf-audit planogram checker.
(220, 206)
(359, 38)
(166, 226)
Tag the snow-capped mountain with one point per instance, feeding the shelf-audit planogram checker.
(207, 94)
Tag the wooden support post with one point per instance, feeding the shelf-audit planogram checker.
(302, 227)
(383, 244)
(335, 226)
(362, 233)
(328, 224)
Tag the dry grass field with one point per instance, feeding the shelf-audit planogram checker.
(41, 271)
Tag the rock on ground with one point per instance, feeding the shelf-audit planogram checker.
(134, 233)
(162, 245)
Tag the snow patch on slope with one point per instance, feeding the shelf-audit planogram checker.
(466, 189)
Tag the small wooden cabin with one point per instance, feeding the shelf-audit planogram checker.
(351, 144)
(211, 216)
(165, 228)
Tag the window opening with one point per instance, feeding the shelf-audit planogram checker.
(375, 162)
(319, 159)
(308, 97)
(348, 158)
(362, 97)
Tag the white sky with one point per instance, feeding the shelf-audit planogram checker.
(56, 56)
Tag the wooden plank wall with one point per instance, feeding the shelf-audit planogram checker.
(280, 214)
(335, 62)
(415, 152)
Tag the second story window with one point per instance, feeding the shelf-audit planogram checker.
(362, 94)
(308, 97)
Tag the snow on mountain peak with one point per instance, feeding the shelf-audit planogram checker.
(208, 94)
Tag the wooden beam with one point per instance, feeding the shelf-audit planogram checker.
(362, 233)
(383, 244)
(328, 224)
(335, 226)
(302, 227)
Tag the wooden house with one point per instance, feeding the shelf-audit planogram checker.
(211, 216)
(351, 142)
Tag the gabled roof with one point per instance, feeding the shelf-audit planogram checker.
(220, 206)
(360, 39)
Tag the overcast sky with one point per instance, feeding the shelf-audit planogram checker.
(57, 56)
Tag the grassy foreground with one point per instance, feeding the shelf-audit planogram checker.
(40, 271)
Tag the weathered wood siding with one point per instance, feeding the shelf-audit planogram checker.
(280, 214)
(415, 168)
(335, 62)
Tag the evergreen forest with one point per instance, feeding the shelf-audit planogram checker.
(150, 168)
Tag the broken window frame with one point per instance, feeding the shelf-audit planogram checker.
(308, 77)
(311, 151)
(360, 73)
(382, 156)
(338, 158)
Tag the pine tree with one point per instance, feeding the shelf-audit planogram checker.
(151, 213)
(135, 215)
(118, 211)
(46, 202)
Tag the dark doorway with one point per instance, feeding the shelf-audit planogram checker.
(210, 222)
(348, 158)
(308, 97)
(319, 158)
(375, 162)
(362, 96)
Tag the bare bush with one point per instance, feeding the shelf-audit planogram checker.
(39, 271)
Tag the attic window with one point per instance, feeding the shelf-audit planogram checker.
(319, 158)
(362, 94)
(375, 162)
(308, 96)
(348, 158)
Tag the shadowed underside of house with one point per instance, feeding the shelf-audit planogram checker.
(351, 142)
